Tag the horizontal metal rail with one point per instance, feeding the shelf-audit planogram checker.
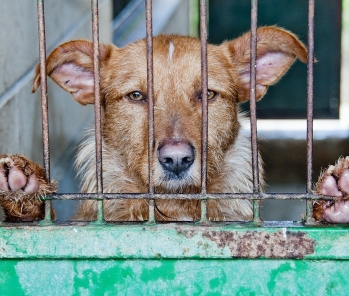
(198, 196)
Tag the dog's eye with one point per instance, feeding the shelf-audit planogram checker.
(136, 96)
(211, 94)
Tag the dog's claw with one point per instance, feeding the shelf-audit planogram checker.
(334, 182)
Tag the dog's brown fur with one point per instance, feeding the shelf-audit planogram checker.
(177, 112)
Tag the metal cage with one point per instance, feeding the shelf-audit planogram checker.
(196, 258)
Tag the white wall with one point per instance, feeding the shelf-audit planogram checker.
(20, 111)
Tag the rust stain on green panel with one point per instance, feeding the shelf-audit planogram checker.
(256, 244)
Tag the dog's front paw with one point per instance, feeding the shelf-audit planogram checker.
(334, 182)
(22, 182)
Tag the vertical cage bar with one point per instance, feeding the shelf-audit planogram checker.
(44, 99)
(97, 105)
(150, 97)
(204, 81)
(253, 112)
(310, 100)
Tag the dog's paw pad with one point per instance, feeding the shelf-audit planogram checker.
(337, 212)
(343, 182)
(16, 174)
(329, 186)
(334, 182)
(22, 184)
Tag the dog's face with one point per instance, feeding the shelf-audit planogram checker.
(177, 110)
(177, 98)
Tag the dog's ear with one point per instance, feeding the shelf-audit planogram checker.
(70, 65)
(277, 49)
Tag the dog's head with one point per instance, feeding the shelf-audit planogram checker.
(177, 97)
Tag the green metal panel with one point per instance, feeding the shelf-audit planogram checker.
(173, 277)
(173, 259)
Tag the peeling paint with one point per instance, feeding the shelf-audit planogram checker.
(256, 244)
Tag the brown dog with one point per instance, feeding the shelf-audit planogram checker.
(177, 112)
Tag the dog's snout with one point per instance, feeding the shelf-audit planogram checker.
(176, 156)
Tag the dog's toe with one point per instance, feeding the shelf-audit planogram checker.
(334, 182)
(17, 174)
(338, 212)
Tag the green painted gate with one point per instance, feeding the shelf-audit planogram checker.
(173, 259)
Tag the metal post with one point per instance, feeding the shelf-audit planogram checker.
(253, 113)
(97, 105)
(310, 99)
(204, 132)
(44, 100)
(150, 97)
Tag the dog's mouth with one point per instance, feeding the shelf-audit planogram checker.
(168, 176)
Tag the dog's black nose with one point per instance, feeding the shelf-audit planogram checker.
(176, 156)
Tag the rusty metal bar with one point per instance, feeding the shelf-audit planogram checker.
(310, 100)
(44, 99)
(97, 104)
(204, 120)
(150, 97)
(199, 196)
(253, 113)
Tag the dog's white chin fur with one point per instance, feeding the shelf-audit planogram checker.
(187, 183)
